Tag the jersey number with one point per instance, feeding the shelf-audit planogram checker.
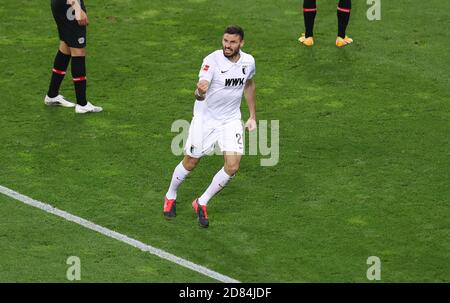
(239, 139)
(70, 14)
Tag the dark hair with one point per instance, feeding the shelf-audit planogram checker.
(235, 30)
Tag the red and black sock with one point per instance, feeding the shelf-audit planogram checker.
(309, 14)
(59, 71)
(79, 79)
(343, 13)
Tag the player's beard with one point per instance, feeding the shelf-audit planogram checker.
(233, 54)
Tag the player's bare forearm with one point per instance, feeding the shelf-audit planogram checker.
(250, 96)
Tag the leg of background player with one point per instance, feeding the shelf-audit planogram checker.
(79, 74)
(343, 14)
(60, 65)
(309, 15)
(80, 83)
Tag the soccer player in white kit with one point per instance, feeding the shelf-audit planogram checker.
(225, 76)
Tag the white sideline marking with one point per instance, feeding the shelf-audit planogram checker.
(115, 235)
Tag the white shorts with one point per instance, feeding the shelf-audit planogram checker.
(203, 135)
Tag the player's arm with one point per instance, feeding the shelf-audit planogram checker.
(202, 88)
(80, 14)
(250, 96)
(205, 77)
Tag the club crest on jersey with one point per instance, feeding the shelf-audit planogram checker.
(206, 67)
(234, 82)
(244, 69)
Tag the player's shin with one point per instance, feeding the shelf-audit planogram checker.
(218, 183)
(79, 79)
(309, 14)
(343, 13)
(179, 174)
(59, 71)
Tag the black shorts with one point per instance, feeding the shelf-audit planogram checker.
(69, 30)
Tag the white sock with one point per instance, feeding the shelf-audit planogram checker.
(179, 174)
(218, 183)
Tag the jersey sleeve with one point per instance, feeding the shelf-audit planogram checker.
(252, 70)
(207, 70)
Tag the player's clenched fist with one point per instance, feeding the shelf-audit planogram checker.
(200, 92)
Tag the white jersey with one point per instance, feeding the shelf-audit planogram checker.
(227, 81)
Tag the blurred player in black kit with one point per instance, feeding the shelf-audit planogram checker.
(71, 20)
(343, 13)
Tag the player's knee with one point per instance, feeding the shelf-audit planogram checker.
(190, 163)
(64, 48)
(231, 168)
(309, 3)
(78, 52)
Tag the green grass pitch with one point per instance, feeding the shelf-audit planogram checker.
(364, 145)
